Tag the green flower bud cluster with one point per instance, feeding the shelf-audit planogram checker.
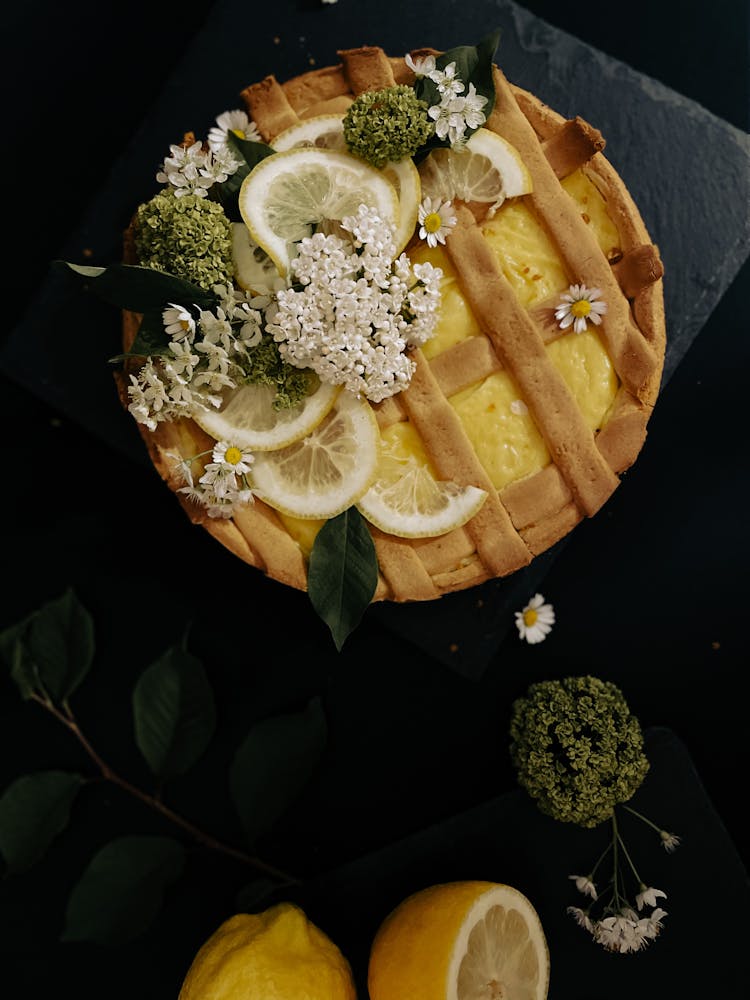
(267, 367)
(577, 749)
(189, 237)
(388, 124)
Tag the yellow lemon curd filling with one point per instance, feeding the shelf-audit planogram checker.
(492, 411)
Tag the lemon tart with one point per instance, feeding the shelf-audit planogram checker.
(529, 398)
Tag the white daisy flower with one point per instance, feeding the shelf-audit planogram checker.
(579, 306)
(229, 456)
(236, 122)
(435, 221)
(584, 884)
(647, 896)
(669, 841)
(535, 621)
(178, 322)
(420, 66)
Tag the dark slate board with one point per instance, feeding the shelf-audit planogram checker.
(508, 840)
(688, 201)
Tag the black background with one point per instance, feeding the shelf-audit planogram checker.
(651, 594)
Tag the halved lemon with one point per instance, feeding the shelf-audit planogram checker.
(253, 268)
(328, 470)
(461, 941)
(248, 418)
(327, 132)
(487, 169)
(287, 195)
(406, 499)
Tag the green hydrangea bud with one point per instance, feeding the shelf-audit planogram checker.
(189, 237)
(577, 749)
(388, 124)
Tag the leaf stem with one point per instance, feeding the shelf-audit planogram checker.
(67, 718)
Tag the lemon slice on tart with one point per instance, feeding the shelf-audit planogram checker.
(328, 470)
(407, 499)
(327, 132)
(486, 169)
(253, 268)
(248, 418)
(286, 196)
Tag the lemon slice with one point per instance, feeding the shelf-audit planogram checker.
(328, 470)
(249, 420)
(327, 132)
(487, 169)
(406, 499)
(323, 131)
(461, 941)
(253, 268)
(286, 195)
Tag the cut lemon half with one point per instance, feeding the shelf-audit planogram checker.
(328, 470)
(327, 132)
(247, 417)
(286, 196)
(253, 268)
(406, 499)
(487, 169)
(461, 941)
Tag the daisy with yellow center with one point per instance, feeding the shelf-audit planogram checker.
(580, 306)
(435, 221)
(232, 458)
(178, 322)
(535, 621)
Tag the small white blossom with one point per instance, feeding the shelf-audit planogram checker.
(193, 170)
(651, 925)
(669, 841)
(446, 81)
(584, 885)
(620, 933)
(236, 122)
(647, 896)
(535, 621)
(435, 220)
(178, 322)
(579, 306)
(582, 918)
(456, 111)
(423, 66)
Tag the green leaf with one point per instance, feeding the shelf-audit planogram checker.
(175, 714)
(34, 809)
(473, 65)
(61, 644)
(273, 764)
(15, 654)
(151, 340)
(141, 289)
(343, 573)
(122, 889)
(250, 153)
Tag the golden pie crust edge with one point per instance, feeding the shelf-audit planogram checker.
(530, 515)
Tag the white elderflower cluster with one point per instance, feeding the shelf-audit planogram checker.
(358, 311)
(193, 170)
(204, 356)
(456, 111)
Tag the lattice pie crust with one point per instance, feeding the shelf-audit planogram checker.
(528, 516)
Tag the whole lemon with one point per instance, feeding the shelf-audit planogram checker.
(275, 955)
(460, 941)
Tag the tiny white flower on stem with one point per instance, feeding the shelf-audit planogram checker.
(580, 306)
(236, 122)
(535, 621)
(229, 456)
(582, 918)
(436, 221)
(651, 925)
(585, 885)
(178, 322)
(448, 84)
(647, 896)
(669, 841)
(423, 66)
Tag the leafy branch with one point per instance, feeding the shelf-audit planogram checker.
(49, 655)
